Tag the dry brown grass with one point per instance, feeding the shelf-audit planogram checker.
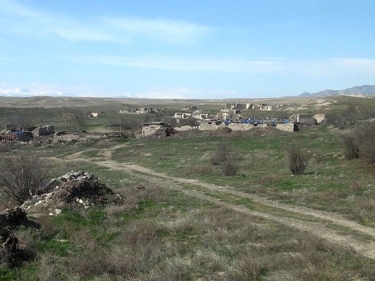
(269, 179)
(199, 169)
(199, 244)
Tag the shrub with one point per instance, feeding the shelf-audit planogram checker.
(229, 167)
(368, 150)
(360, 142)
(298, 160)
(223, 156)
(22, 175)
(350, 145)
(222, 153)
(200, 169)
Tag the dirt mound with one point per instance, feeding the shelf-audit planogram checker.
(74, 190)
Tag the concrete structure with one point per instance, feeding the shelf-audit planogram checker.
(302, 118)
(141, 110)
(210, 127)
(289, 127)
(150, 129)
(11, 128)
(44, 130)
(200, 116)
(320, 118)
(182, 115)
(240, 127)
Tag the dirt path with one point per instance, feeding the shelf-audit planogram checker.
(329, 226)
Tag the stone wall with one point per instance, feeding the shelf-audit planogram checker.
(240, 127)
(44, 130)
(289, 127)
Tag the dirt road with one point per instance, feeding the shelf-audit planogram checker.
(329, 226)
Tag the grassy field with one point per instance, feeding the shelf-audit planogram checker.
(170, 231)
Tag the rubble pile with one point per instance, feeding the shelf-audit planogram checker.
(74, 190)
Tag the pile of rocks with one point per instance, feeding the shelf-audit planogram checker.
(74, 190)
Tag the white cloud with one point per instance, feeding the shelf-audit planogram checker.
(172, 93)
(190, 64)
(24, 92)
(160, 29)
(330, 66)
(181, 93)
(355, 64)
(25, 20)
(35, 89)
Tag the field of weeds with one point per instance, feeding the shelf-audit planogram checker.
(330, 182)
(184, 218)
(159, 234)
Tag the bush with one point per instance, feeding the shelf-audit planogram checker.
(350, 145)
(368, 150)
(348, 118)
(360, 142)
(229, 167)
(223, 156)
(222, 153)
(200, 169)
(298, 160)
(22, 175)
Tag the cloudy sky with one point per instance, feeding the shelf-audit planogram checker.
(185, 48)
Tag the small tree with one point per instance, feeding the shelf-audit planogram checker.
(298, 159)
(22, 176)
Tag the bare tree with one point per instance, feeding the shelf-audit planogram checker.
(19, 121)
(75, 117)
(298, 159)
(22, 175)
(130, 124)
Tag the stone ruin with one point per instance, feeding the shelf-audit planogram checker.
(74, 190)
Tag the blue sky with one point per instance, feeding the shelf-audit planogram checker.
(185, 49)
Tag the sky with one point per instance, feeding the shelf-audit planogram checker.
(190, 49)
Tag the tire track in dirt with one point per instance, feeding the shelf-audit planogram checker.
(365, 248)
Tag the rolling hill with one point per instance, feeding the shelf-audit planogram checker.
(359, 91)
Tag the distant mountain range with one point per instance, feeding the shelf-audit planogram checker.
(358, 91)
(23, 92)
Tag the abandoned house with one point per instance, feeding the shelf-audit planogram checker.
(44, 130)
(149, 129)
(303, 118)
